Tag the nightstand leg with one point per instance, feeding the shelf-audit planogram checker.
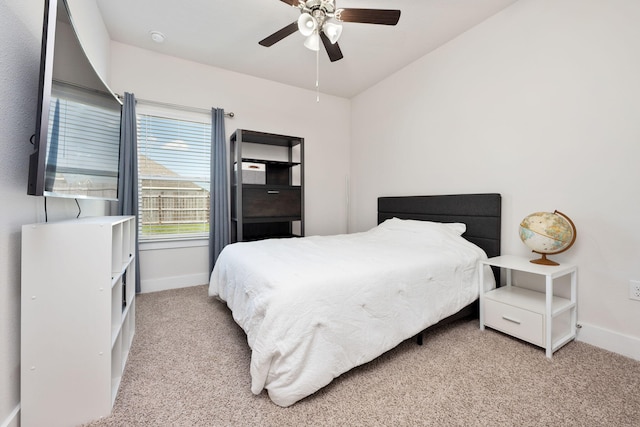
(548, 318)
(574, 301)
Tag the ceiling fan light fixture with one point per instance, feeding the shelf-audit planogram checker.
(313, 42)
(307, 24)
(332, 31)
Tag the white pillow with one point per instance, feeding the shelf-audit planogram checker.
(418, 226)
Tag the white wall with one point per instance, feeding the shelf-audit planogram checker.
(258, 105)
(19, 62)
(538, 103)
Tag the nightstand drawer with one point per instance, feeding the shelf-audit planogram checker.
(520, 323)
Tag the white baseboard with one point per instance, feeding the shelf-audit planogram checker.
(12, 420)
(175, 282)
(609, 340)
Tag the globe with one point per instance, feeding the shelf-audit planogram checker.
(547, 233)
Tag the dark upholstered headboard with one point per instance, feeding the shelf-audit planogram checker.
(480, 212)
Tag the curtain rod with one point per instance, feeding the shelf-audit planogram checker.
(178, 106)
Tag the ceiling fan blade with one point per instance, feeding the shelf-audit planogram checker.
(369, 16)
(333, 50)
(279, 35)
(292, 2)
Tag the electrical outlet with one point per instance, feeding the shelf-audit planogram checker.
(634, 289)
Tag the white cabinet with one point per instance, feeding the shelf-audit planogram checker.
(541, 318)
(78, 317)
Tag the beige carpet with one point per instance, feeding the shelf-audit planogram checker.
(189, 366)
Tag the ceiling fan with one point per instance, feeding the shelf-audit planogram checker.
(315, 24)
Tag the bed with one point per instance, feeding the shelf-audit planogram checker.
(316, 307)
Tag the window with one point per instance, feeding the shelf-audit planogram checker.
(173, 174)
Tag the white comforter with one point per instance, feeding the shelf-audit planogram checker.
(315, 307)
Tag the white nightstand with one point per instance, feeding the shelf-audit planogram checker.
(541, 318)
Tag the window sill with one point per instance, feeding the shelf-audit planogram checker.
(173, 243)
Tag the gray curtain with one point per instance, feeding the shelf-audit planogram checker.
(128, 169)
(219, 209)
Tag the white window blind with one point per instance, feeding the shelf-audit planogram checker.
(174, 173)
(84, 143)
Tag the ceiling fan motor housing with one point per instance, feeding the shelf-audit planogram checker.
(319, 7)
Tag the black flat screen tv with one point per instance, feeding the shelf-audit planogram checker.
(77, 139)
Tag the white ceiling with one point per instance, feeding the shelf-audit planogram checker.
(225, 34)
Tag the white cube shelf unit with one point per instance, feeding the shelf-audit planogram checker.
(78, 317)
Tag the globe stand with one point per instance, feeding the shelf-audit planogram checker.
(543, 260)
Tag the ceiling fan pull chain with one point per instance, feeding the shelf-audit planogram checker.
(318, 75)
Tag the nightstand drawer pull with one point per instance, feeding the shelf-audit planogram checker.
(510, 319)
(273, 192)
